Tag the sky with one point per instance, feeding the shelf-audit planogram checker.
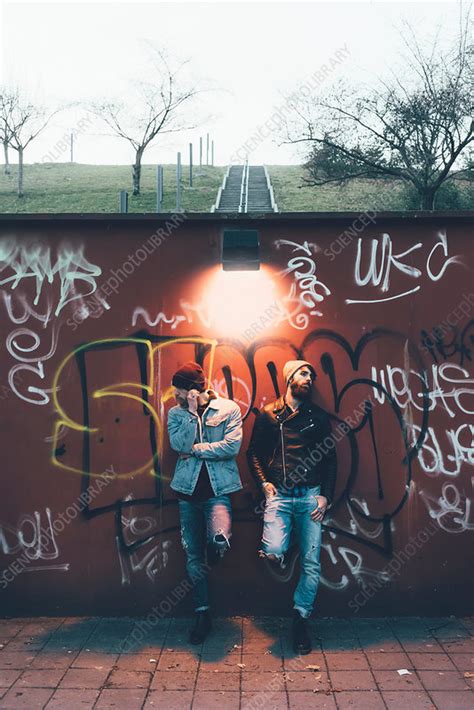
(245, 56)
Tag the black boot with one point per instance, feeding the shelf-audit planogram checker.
(201, 628)
(301, 639)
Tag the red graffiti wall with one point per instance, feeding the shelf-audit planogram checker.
(96, 315)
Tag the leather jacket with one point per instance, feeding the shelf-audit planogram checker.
(287, 447)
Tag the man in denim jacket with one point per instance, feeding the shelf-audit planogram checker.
(206, 430)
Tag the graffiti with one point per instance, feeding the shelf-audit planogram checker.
(135, 529)
(311, 291)
(442, 345)
(434, 459)
(382, 260)
(34, 262)
(34, 537)
(446, 375)
(452, 510)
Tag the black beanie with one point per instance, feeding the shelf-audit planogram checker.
(189, 376)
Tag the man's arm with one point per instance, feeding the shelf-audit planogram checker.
(229, 446)
(253, 456)
(182, 430)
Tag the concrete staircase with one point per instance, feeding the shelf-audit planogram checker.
(245, 189)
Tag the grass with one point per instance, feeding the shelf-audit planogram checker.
(71, 187)
(292, 195)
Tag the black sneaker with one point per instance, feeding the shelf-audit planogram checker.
(301, 639)
(201, 628)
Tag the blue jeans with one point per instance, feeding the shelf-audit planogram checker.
(282, 513)
(204, 524)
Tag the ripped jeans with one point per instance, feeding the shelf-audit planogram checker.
(282, 513)
(204, 523)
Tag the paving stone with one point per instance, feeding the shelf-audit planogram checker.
(173, 680)
(463, 661)
(25, 698)
(8, 677)
(261, 662)
(73, 699)
(169, 699)
(264, 682)
(129, 679)
(46, 660)
(414, 700)
(453, 700)
(390, 680)
(422, 646)
(362, 700)
(389, 661)
(93, 659)
(209, 680)
(136, 662)
(340, 645)
(442, 680)
(84, 678)
(121, 699)
(346, 661)
(318, 701)
(386, 646)
(206, 700)
(16, 659)
(228, 663)
(300, 663)
(460, 646)
(352, 680)
(178, 662)
(272, 701)
(431, 662)
(307, 680)
(40, 679)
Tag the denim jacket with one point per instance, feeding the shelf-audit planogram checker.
(217, 442)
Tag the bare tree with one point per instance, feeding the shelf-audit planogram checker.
(156, 108)
(417, 129)
(23, 122)
(6, 99)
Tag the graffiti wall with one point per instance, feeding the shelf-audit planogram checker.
(97, 314)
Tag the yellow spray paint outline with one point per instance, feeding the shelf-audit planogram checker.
(116, 390)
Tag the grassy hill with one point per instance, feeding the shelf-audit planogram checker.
(71, 187)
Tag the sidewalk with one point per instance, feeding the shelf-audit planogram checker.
(247, 663)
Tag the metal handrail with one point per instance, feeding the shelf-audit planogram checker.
(221, 189)
(270, 189)
(244, 189)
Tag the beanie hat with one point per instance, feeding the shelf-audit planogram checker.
(293, 366)
(189, 376)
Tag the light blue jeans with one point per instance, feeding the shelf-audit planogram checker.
(203, 524)
(282, 514)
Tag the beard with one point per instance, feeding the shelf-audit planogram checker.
(301, 392)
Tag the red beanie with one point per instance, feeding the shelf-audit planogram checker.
(189, 376)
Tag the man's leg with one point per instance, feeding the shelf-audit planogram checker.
(277, 523)
(309, 541)
(218, 512)
(193, 541)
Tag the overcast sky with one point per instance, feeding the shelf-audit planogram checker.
(248, 54)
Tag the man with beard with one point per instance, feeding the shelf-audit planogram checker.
(298, 474)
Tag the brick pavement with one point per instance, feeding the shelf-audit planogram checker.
(246, 663)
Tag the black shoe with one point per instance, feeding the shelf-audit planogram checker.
(301, 639)
(201, 628)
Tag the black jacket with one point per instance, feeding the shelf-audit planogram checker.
(303, 458)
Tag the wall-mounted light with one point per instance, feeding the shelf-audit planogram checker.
(240, 250)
